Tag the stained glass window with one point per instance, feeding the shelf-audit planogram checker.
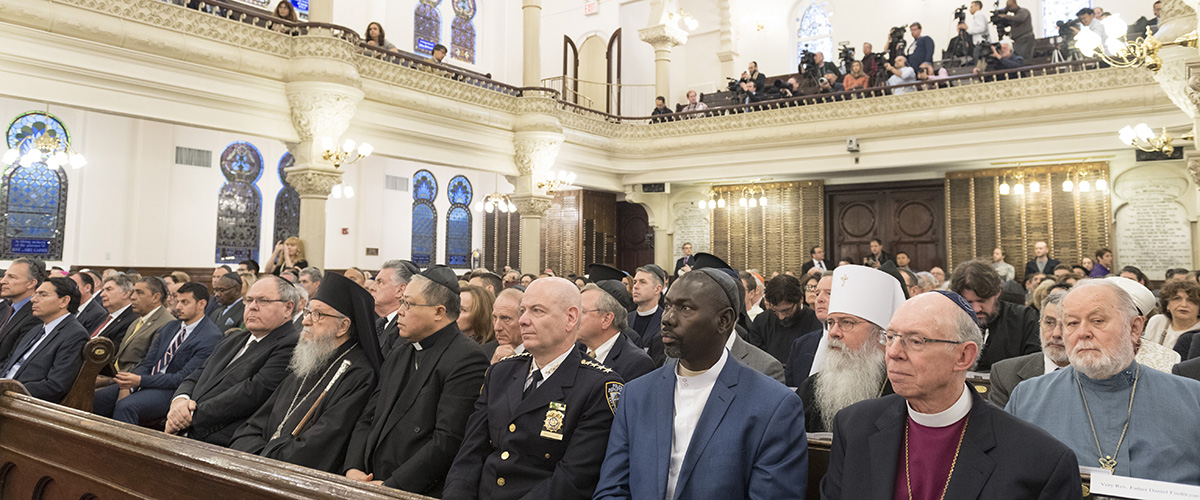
(462, 40)
(287, 204)
(34, 197)
(239, 204)
(427, 27)
(458, 223)
(815, 33)
(424, 220)
(1059, 10)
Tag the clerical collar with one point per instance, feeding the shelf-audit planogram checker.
(1122, 380)
(694, 380)
(431, 340)
(945, 418)
(648, 313)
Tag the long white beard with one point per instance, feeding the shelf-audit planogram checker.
(847, 378)
(1105, 364)
(310, 356)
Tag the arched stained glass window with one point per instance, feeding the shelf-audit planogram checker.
(1059, 10)
(424, 218)
(427, 27)
(287, 204)
(239, 204)
(815, 33)
(458, 223)
(462, 40)
(34, 197)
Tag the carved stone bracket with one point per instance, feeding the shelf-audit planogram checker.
(536, 152)
(310, 182)
(319, 110)
(663, 36)
(1193, 166)
(530, 206)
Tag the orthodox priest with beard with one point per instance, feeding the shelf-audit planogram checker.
(860, 305)
(309, 419)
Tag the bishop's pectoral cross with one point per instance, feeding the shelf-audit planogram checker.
(1108, 462)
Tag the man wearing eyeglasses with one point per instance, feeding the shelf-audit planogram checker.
(774, 330)
(308, 421)
(1006, 374)
(862, 300)
(408, 434)
(243, 370)
(228, 291)
(936, 437)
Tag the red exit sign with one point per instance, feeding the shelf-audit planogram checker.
(589, 8)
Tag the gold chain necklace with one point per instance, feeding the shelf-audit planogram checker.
(908, 477)
(1109, 461)
(296, 399)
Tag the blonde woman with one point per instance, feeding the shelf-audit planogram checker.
(475, 318)
(288, 253)
(857, 79)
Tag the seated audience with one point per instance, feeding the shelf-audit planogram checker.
(47, 358)
(358, 276)
(475, 313)
(774, 330)
(487, 280)
(149, 302)
(1152, 355)
(438, 54)
(1007, 373)
(735, 433)
(753, 93)
(144, 393)
(857, 79)
(91, 312)
(1009, 330)
(931, 342)
(601, 323)
(1086, 263)
(375, 37)
(20, 283)
(506, 314)
(1092, 405)
(660, 108)
(228, 293)
(1135, 274)
(808, 352)
(901, 74)
(694, 103)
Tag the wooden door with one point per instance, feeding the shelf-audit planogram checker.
(635, 238)
(907, 217)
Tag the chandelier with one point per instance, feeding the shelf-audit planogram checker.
(46, 148)
(1119, 52)
(497, 201)
(1018, 188)
(1142, 137)
(1077, 180)
(344, 154)
(556, 181)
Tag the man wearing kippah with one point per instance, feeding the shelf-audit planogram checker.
(936, 438)
(705, 426)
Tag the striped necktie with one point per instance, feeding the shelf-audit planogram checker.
(170, 354)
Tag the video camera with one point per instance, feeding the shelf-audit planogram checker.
(1000, 20)
(896, 44)
(960, 14)
(1065, 29)
(846, 56)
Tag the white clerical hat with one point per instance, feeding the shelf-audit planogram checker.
(865, 292)
(1143, 298)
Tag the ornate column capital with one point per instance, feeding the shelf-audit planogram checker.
(663, 36)
(536, 151)
(313, 182)
(1193, 165)
(530, 206)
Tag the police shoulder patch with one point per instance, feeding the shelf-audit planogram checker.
(597, 366)
(612, 393)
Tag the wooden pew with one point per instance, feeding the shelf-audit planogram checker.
(48, 451)
(97, 353)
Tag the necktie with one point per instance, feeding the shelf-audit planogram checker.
(170, 354)
(102, 325)
(137, 326)
(537, 377)
(26, 349)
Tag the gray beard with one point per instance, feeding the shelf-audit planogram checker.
(1107, 365)
(848, 378)
(311, 356)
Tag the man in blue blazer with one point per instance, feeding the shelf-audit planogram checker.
(145, 393)
(735, 434)
(47, 358)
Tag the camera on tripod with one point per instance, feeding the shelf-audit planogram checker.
(845, 55)
(960, 14)
(1000, 20)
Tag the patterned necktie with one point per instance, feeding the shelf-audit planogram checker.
(166, 359)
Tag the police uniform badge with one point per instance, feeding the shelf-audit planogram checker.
(612, 392)
(552, 426)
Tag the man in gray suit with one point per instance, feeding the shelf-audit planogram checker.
(149, 302)
(1006, 374)
(754, 357)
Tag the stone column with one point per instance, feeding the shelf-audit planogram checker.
(320, 11)
(531, 46)
(663, 38)
(726, 49)
(531, 209)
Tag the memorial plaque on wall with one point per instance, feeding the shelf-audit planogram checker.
(770, 238)
(1073, 223)
(580, 228)
(691, 226)
(1152, 228)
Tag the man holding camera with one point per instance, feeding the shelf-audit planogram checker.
(901, 74)
(1021, 27)
(976, 26)
(1002, 59)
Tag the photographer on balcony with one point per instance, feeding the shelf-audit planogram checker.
(822, 66)
(1021, 27)
(901, 74)
(1002, 59)
(1089, 18)
(976, 25)
(751, 75)
(922, 47)
(829, 84)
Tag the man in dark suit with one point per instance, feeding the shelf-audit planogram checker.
(775, 329)
(1189, 369)
(407, 436)
(117, 295)
(804, 352)
(746, 432)
(243, 371)
(601, 322)
(390, 284)
(20, 281)
(686, 261)
(506, 316)
(1006, 374)
(542, 419)
(47, 359)
(213, 303)
(816, 261)
(939, 425)
(91, 312)
(1041, 263)
(228, 291)
(1009, 330)
(878, 256)
(646, 320)
(144, 394)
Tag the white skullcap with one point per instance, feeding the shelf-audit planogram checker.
(865, 292)
(1143, 298)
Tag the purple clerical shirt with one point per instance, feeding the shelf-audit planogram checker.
(931, 452)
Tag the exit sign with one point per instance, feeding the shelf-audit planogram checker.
(589, 8)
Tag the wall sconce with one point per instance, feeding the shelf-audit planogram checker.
(1142, 137)
(341, 154)
(556, 181)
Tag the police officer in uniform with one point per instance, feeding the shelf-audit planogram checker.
(541, 423)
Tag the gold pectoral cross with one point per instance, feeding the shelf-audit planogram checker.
(1108, 462)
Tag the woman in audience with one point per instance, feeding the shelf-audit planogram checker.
(857, 79)
(527, 278)
(1086, 262)
(284, 10)
(808, 283)
(475, 316)
(288, 253)
(1179, 302)
(376, 37)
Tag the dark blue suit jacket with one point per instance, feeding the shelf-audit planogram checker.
(1031, 267)
(800, 358)
(749, 442)
(652, 329)
(50, 371)
(922, 52)
(189, 357)
(93, 315)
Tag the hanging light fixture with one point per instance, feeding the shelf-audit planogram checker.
(497, 201)
(345, 154)
(47, 147)
(556, 181)
(1019, 189)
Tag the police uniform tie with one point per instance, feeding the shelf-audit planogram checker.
(537, 377)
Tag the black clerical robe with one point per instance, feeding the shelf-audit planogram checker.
(321, 443)
(772, 335)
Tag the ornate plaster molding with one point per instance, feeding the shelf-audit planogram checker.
(321, 112)
(313, 182)
(1193, 166)
(532, 206)
(663, 36)
(536, 153)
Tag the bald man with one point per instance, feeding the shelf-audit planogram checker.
(541, 422)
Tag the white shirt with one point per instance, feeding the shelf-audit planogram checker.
(606, 347)
(1049, 366)
(977, 26)
(819, 265)
(754, 312)
(85, 304)
(691, 396)
(146, 319)
(819, 356)
(945, 418)
(907, 75)
(49, 327)
(648, 313)
(119, 312)
(547, 370)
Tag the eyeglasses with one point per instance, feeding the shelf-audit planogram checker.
(912, 342)
(405, 305)
(249, 301)
(317, 316)
(1050, 323)
(845, 324)
(810, 288)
